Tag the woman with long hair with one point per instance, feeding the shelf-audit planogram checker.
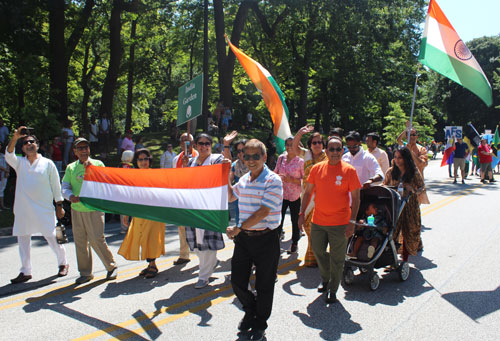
(404, 172)
(312, 155)
(238, 169)
(145, 239)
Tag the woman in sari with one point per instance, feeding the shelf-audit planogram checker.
(405, 173)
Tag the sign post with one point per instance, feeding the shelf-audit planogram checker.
(190, 100)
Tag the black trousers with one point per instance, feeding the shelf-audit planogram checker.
(264, 252)
(294, 215)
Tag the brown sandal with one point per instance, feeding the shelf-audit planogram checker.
(144, 272)
(151, 272)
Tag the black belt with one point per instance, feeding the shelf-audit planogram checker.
(254, 233)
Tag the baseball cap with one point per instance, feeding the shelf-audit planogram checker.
(80, 140)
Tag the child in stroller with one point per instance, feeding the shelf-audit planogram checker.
(372, 234)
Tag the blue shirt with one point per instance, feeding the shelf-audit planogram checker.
(266, 190)
(460, 149)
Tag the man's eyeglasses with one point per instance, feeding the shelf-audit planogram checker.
(239, 151)
(353, 147)
(204, 144)
(248, 157)
(338, 150)
(29, 141)
(317, 142)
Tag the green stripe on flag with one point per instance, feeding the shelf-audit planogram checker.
(214, 220)
(279, 140)
(456, 70)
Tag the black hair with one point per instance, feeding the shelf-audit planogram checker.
(337, 131)
(142, 151)
(242, 141)
(203, 135)
(410, 167)
(310, 139)
(353, 136)
(374, 136)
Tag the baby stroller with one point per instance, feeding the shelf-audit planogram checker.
(390, 205)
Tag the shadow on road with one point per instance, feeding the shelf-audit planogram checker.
(333, 320)
(475, 304)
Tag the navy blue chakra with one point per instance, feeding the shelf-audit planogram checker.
(462, 51)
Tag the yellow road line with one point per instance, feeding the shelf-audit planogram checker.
(172, 307)
(459, 194)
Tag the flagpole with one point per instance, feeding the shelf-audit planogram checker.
(413, 103)
(470, 124)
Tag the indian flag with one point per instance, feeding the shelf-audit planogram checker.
(271, 93)
(443, 51)
(194, 196)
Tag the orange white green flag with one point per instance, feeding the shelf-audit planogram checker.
(193, 196)
(271, 93)
(443, 51)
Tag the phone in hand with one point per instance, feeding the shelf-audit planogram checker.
(186, 148)
(27, 131)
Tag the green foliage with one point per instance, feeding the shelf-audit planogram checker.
(396, 122)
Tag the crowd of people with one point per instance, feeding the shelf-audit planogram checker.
(320, 184)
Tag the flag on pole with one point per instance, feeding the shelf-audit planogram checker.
(448, 152)
(443, 51)
(495, 143)
(270, 92)
(194, 196)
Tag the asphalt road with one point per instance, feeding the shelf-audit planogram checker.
(452, 293)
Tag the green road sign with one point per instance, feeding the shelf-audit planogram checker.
(190, 100)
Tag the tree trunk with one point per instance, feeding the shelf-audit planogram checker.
(86, 93)
(58, 87)
(115, 54)
(130, 81)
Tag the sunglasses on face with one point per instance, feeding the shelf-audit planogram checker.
(204, 144)
(143, 159)
(248, 157)
(239, 151)
(353, 147)
(82, 148)
(338, 150)
(29, 141)
(317, 142)
(413, 135)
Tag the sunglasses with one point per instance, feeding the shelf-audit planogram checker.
(353, 147)
(239, 151)
(248, 157)
(338, 150)
(204, 144)
(143, 159)
(82, 148)
(413, 135)
(317, 142)
(29, 141)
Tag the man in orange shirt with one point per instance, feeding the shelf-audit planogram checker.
(333, 220)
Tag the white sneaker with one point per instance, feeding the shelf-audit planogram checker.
(201, 284)
(371, 251)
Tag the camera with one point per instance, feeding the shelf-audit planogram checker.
(27, 131)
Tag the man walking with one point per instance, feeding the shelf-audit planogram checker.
(37, 185)
(459, 154)
(88, 225)
(367, 167)
(485, 154)
(260, 194)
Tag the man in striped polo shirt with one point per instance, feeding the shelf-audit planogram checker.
(260, 195)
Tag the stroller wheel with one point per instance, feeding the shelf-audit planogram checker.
(374, 282)
(348, 276)
(404, 271)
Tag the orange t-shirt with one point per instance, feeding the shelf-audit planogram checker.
(332, 185)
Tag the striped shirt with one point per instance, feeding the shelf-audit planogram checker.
(266, 190)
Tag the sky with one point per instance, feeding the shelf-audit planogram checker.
(472, 18)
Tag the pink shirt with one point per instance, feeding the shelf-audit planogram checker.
(293, 168)
(127, 144)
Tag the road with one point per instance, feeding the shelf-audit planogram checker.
(452, 293)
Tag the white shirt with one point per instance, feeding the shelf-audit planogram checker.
(70, 134)
(382, 159)
(104, 125)
(365, 163)
(37, 186)
(166, 159)
(93, 133)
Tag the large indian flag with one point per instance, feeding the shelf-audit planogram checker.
(271, 93)
(194, 196)
(443, 51)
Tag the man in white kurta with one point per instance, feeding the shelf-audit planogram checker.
(367, 167)
(37, 186)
